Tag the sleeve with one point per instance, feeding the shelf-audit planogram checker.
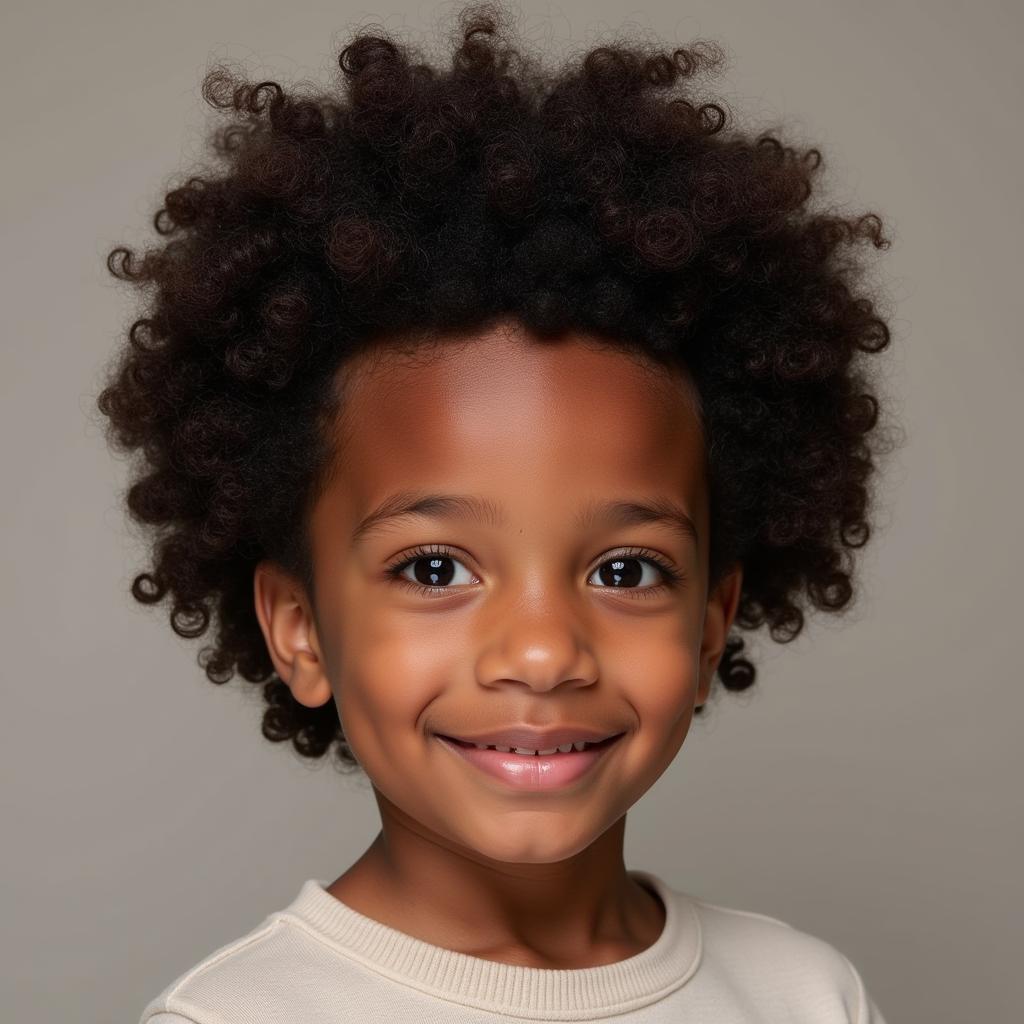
(867, 1011)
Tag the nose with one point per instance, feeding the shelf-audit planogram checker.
(541, 644)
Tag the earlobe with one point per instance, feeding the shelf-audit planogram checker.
(308, 682)
(289, 633)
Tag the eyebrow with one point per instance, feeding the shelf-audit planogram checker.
(659, 511)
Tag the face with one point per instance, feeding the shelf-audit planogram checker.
(533, 604)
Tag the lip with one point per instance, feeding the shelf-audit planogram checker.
(533, 772)
(529, 738)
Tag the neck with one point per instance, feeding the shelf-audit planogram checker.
(582, 911)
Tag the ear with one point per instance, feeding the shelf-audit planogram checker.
(290, 633)
(718, 617)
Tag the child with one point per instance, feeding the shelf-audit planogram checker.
(478, 407)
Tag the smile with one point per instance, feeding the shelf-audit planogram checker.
(528, 769)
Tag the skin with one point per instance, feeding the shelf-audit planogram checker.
(528, 631)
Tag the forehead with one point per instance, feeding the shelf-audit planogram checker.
(516, 418)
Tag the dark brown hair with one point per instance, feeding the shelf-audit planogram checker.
(605, 198)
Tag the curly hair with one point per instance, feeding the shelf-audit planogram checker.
(605, 198)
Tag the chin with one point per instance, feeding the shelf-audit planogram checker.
(530, 842)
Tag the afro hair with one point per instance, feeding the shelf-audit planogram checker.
(605, 197)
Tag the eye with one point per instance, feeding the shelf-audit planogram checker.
(625, 571)
(433, 571)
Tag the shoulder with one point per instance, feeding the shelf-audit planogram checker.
(283, 969)
(803, 975)
(735, 933)
(227, 984)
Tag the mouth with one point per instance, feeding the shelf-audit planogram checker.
(530, 770)
(565, 748)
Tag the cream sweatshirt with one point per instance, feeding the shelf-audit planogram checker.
(319, 961)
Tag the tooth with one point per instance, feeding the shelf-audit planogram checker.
(565, 748)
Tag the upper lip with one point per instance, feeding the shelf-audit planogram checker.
(527, 738)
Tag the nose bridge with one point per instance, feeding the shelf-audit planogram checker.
(538, 633)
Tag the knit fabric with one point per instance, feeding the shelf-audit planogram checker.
(319, 961)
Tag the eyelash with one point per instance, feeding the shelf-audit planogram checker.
(673, 577)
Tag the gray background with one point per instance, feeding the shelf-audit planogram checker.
(869, 790)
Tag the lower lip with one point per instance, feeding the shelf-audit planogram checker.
(534, 772)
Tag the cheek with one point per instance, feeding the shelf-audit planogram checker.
(389, 670)
(658, 674)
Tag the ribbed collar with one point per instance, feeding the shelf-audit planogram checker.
(511, 989)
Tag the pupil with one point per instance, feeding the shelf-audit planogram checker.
(618, 574)
(434, 575)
